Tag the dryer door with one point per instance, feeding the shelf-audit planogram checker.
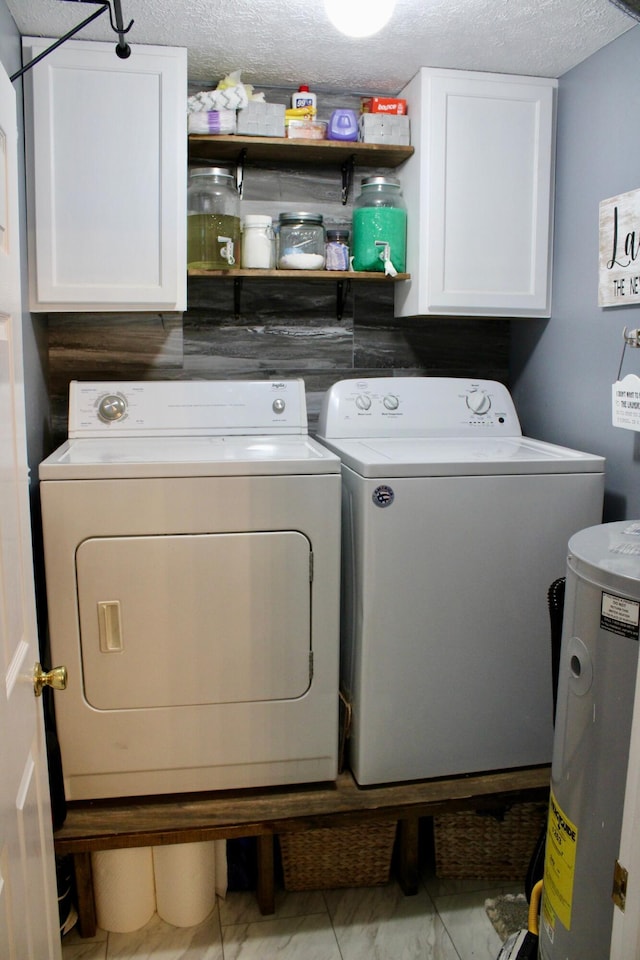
(167, 621)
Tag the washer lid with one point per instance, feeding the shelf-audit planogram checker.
(125, 457)
(460, 456)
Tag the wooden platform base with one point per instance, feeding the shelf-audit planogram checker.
(94, 825)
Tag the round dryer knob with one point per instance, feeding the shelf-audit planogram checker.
(363, 402)
(278, 406)
(479, 402)
(391, 402)
(112, 408)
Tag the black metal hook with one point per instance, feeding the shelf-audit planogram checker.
(123, 49)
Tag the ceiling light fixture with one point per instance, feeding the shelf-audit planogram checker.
(359, 18)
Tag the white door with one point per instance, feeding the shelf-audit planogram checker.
(625, 939)
(28, 904)
(229, 599)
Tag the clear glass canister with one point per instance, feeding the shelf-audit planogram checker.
(258, 242)
(337, 250)
(213, 220)
(379, 227)
(301, 241)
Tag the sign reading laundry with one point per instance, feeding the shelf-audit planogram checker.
(619, 277)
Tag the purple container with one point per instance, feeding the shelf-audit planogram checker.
(343, 125)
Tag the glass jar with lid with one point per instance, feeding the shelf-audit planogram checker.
(379, 226)
(213, 219)
(258, 242)
(301, 241)
(337, 250)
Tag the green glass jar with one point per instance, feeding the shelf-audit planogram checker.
(379, 228)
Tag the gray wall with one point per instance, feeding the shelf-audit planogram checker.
(562, 369)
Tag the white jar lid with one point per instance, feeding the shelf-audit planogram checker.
(256, 220)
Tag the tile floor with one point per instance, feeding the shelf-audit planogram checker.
(445, 921)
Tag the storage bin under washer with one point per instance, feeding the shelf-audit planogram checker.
(192, 541)
(454, 526)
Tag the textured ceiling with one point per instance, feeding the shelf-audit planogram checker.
(287, 42)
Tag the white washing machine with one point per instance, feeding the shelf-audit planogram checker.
(192, 553)
(454, 526)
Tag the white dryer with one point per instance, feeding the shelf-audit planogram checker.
(454, 527)
(192, 545)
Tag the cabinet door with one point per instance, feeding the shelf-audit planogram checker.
(106, 145)
(479, 191)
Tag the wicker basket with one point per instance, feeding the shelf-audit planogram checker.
(487, 845)
(352, 856)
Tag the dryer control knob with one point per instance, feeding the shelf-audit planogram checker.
(278, 405)
(479, 402)
(391, 402)
(363, 402)
(112, 408)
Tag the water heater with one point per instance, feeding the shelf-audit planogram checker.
(595, 714)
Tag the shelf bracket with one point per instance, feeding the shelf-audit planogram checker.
(347, 177)
(342, 292)
(242, 156)
(122, 48)
(237, 295)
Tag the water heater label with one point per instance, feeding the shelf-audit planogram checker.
(620, 616)
(559, 866)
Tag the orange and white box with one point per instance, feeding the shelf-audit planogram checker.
(390, 105)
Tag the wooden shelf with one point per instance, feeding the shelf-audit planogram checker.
(341, 278)
(93, 825)
(283, 150)
(299, 275)
(145, 821)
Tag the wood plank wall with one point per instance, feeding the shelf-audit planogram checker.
(284, 328)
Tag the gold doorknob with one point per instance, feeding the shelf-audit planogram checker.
(56, 678)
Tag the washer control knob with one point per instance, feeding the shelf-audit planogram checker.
(363, 402)
(479, 402)
(391, 402)
(278, 405)
(112, 408)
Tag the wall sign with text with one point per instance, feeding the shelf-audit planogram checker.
(625, 403)
(619, 276)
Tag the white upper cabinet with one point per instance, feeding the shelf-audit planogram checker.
(107, 170)
(479, 194)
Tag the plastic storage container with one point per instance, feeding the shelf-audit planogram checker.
(337, 250)
(301, 241)
(213, 220)
(379, 227)
(258, 242)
